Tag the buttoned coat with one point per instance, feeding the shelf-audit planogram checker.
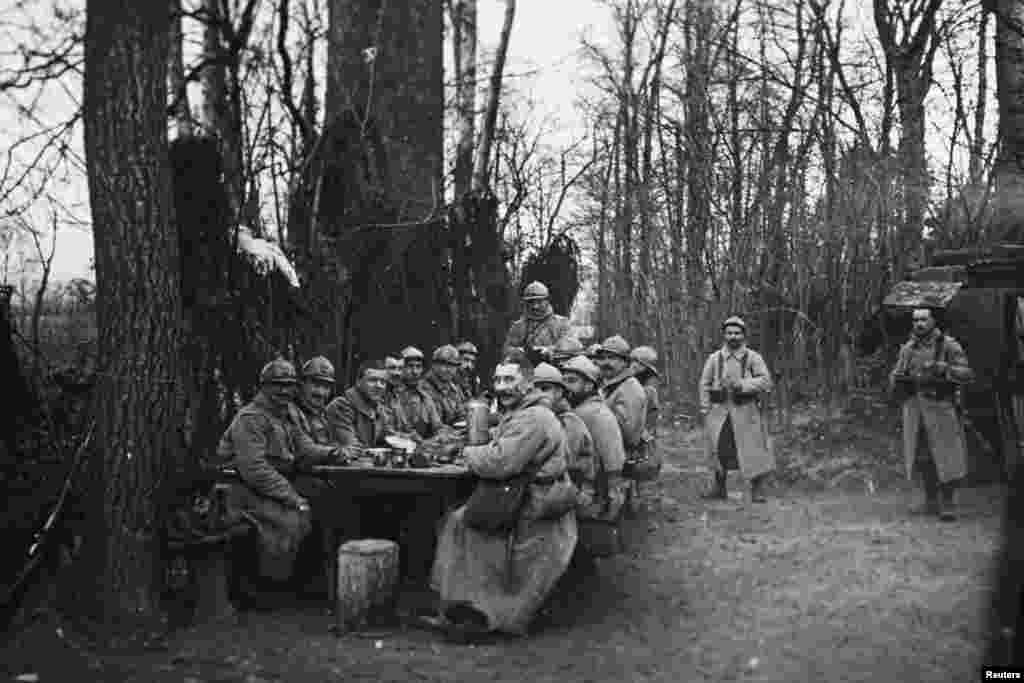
(938, 417)
(747, 368)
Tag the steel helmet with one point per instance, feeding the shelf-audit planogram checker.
(645, 356)
(568, 346)
(278, 371)
(616, 346)
(535, 290)
(319, 369)
(467, 347)
(584, 367)
(547, 374)
(446, 354)
(735, 321)
(411, 352)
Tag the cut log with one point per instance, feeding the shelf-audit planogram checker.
(367, 576)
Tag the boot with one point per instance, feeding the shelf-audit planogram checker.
(947, 511)
(757, 490)
(718, 492)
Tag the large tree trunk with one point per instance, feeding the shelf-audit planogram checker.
(137, 406)
(1009, 168)
(382, 163)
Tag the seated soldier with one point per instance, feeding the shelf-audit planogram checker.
(603, 491)
(359, 418)
(498, 581)
(579, 452)
(467, 379)
(393, 363)
(260, 444)
(413, 411)
(441, 387)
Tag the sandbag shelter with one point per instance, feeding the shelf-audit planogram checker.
(978, 297)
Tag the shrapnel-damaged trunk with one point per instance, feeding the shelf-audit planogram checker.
(381, 164)
(138, 407)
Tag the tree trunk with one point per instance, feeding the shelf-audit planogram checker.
(464, 45)
(382, 163)
(1009, 168)
(483, 158)
(909, 57)
(218, 110)
(137, 405)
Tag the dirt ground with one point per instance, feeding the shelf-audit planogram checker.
(834, 585)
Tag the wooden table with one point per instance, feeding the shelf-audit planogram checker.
(431, 491)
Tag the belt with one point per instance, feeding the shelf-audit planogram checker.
(720, 396)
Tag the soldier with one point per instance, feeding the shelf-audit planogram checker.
(602, 487)
(315, 392)
(540, 328)
(412, 409)
(930, 368)
(468, 379)
(564, 349)
(626, 398)
(260, 444)
(579, 451)
(441, 387)
(734, 379)
(643, 365)
(359, 418)
(393, 364)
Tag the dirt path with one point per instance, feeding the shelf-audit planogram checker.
(835, 586)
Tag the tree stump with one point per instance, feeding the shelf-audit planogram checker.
(367, 576)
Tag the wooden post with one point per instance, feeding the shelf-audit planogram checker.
(367, 577)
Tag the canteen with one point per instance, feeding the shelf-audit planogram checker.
(477, 422)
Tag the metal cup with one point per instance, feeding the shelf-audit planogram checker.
(380, 456)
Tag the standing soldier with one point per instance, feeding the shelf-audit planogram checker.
(468, 380)
(540, 328)
(930, 368)
(441, 387)
(731, 385)
(626, 397)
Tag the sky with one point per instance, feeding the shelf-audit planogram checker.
(545, 41)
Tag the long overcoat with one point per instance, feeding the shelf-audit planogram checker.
(509, 577)
(938, 416)
(748, 369)
(628, 401)
(260, 444)
(608, 497)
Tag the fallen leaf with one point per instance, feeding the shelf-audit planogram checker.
(27, 678)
